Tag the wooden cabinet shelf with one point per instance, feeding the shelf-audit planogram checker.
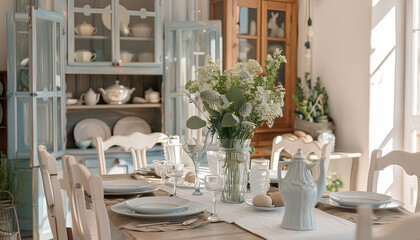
(115, 106)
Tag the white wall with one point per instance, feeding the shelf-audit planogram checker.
(6, 6)
(340, 56)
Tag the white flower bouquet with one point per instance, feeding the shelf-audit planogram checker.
(236, 100)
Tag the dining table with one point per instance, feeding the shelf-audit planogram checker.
(239, 221)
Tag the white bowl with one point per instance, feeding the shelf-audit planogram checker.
(71, 101)
(83, 144)
(141, 30)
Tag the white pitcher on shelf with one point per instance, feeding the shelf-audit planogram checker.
(90, 97)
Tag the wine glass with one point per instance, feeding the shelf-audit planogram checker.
(161, 169)
(214, 184)
(196, 151)
(175, 170)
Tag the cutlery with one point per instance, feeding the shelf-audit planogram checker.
(151, 224)
(190, 221)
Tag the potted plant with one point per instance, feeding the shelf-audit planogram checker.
(236, 101)
(312, 114)
(10, 186)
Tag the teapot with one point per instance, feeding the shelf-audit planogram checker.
(300, 192)
(152, 96)
(85, 29)
(90, 97)
(116, 94)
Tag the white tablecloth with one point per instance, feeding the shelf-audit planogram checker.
(267, 224)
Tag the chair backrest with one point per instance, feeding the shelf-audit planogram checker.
(406, 228)
(80, 181)
(52, 191)
(137, 143)
(68, 160)
(283, 144)
(410, 162)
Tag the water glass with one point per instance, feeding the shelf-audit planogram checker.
(259, 177)
(173, 150)
(175, 170)
(161, 169)
(214, 184)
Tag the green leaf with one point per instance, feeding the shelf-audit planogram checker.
(236, 96)
(229, 120)
(195, 122)
(210, 111)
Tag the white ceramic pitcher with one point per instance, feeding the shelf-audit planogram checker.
(90, 97)
(300, 192)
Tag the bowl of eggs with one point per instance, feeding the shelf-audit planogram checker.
(263, 202)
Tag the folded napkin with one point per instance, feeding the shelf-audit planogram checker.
(130, 223)
(378, 217)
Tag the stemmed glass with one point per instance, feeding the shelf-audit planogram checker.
(175, 170)
(196, 151)
(161, 169)
(214, 184)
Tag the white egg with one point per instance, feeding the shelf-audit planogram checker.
(190, 177)
(276, 198)
(299, 133)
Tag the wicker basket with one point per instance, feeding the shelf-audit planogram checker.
(313, 129)
(9, 226)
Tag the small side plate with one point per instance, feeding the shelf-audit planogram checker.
(248, 201)
(391, 205)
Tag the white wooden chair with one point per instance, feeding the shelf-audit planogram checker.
(406, 228)
(80, 181)
(283, 144)
(52, 191)
(410, 162)
(137, 143)
(68, 160)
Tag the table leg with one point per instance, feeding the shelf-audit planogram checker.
(353, 174)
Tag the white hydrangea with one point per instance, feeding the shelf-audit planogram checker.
(245, 110)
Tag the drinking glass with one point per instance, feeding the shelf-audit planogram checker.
(214, 184)
(196, 151)
(175, 170)
(161, 169)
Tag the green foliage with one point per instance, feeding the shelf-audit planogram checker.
(304, 104)
(8, 178)
(334, 182)
(195, 122)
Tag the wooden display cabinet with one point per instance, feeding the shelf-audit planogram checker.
(251, 30)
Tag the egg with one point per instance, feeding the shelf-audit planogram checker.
(290, 136)
(299, 133)
(262, 200)
(190, 177)
(276, 199)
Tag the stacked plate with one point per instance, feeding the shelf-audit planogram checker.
(353, 199)
(123, 187)
(158, 207)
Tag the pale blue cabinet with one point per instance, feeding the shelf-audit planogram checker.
(186, 46)
(114, 37)
(36, 115)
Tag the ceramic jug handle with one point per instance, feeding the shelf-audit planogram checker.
(97, 97)
(95, 30)
(77, 31)
(93, 57)
(83, 97)
(281, 164)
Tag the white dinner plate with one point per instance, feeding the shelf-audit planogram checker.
(90, 128)
(248, 201)
(123, 18)
(356, 198)
(193, 208)
(124, 186)
(157, 205)
(393, 204)
(128, 125)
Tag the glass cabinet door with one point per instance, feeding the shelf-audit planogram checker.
(275, 34)
(46, 83)
(187, 44)
(90, 32)
(136, 32)
(247, 30)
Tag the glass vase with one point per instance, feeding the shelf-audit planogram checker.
(234, 163)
